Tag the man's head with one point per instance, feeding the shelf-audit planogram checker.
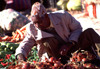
(39, 16)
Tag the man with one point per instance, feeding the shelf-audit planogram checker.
(55, 33)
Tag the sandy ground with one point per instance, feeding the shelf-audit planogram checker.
(88, 22)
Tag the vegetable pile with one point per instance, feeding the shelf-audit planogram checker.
(79, 60)
(8, 59)
(83, 60)
(8, 45)
(17, 36)
(7, 48)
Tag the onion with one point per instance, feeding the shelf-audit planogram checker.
(25, 65)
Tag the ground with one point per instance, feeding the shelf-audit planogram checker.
(87, 21)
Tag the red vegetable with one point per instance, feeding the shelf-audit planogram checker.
(52, 59)
(25, 65)
(57, 64)
(1, 59)
(34, 61)
(4, 64)
(8, 56)
(84, 59)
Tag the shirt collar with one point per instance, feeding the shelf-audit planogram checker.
(51, 25)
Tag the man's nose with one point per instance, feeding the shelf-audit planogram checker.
(36, 25)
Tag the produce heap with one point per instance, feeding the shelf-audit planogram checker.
(79, 60)
(16, 37)
(69, 5)
(8, 45)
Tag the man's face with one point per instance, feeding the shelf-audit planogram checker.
(40, 22)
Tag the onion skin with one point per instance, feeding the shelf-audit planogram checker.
(57, 64)
(52, 60)
(25, 65)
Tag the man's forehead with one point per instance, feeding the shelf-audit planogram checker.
(36, 18)
(37, 15)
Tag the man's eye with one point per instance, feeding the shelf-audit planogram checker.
(35, 23)
(40, 24)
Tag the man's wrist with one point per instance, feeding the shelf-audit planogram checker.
(72, 42)
(21, 56)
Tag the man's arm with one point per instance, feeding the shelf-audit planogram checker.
(25, 46)
(75, 30)
(75, 27)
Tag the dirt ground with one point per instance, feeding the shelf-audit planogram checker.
(87, 21)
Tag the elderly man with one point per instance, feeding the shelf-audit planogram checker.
(55, 33)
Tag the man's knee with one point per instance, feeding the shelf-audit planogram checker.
(49, 40)
(46, 44)
(89, 30)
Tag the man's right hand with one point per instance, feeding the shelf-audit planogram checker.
(64, 48)
(21, 57)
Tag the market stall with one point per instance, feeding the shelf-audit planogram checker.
(79, 59)
(92, 7)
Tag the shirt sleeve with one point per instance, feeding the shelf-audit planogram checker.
(74, 26)
(26, 45)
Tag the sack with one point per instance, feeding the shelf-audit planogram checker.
(11, 20)
(18, 5)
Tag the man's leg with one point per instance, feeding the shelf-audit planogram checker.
(50, 45)
(89, 40)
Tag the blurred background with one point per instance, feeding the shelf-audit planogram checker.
(85, 11)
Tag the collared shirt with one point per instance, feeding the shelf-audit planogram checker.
(51, 25)
(52, 30)
(18, 5)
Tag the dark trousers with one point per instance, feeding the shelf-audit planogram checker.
(51, 46)
(89, 40)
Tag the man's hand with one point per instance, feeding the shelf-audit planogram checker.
(64, 48)
(21, 57)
